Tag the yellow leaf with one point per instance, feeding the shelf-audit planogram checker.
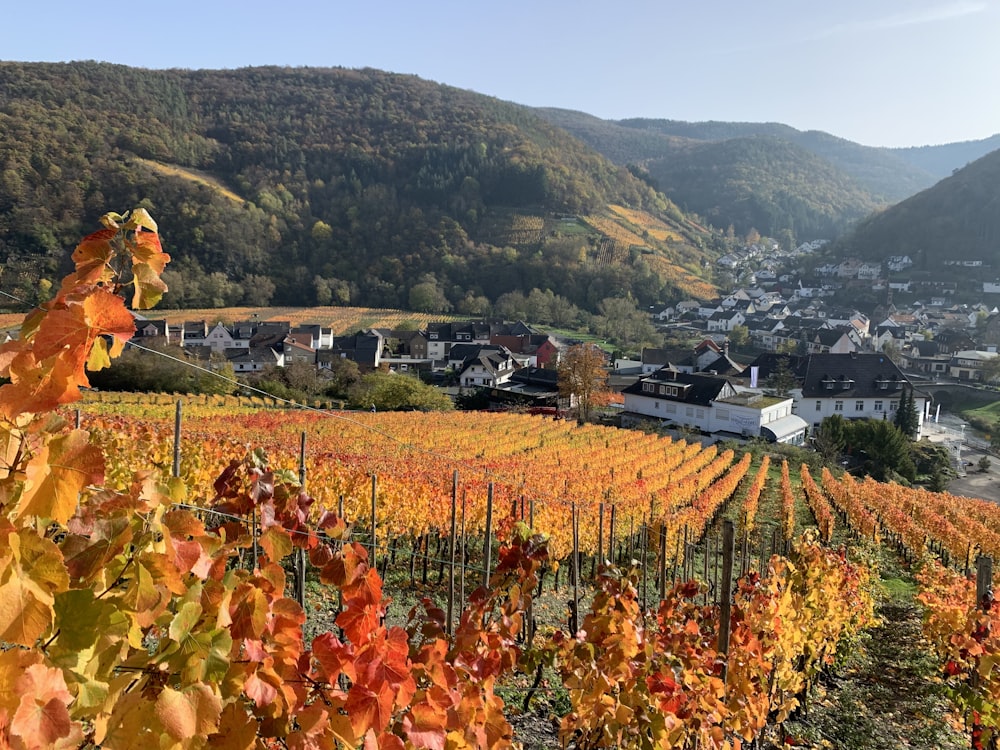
(98, 358)
(139, 218)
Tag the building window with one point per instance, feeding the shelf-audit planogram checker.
(878, 406)
(838, 405)
(670, 409)
(689, 411)
(819, 406)
(648, 387)
(859, 406)
(722, 415)
(893, 405)
(656, 405)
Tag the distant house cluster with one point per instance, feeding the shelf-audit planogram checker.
(479, 354)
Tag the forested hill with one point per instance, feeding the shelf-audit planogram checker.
(809, 182)
(956, 220)
(312, 186)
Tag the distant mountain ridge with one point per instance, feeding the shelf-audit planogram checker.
(855, 180)
(958, 219)
(318, 186)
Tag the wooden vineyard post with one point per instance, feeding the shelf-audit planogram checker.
(300, 552)
(253, 536)
(488, 543)
(631, 539)
(715, 567)
(704, 572)
(177, 448)
(645, 578)
(340, 594)
(574, 623)
(600, 535)
(373, 562)
(461, 589)
(611, 537)
(663, 561)
(984, 600)
(726, 594)
(76, 419)
(451, 567)
(984, 581)
(684, 569)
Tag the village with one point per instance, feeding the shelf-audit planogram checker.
(770, 359)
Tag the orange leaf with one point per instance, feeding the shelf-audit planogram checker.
(31, 573)
(369, 709)
(237, 730)
(276, 543)
(43, 714)
(192, 713)
(249, 612)
(56, 477)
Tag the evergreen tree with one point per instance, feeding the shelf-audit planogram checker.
(906, 418)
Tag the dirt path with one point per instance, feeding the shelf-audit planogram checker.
(885, 695)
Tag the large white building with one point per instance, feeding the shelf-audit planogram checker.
(854, 386)
(713, 405)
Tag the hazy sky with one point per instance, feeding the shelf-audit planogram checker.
(881, 72)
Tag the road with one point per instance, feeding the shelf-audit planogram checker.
(969, 448)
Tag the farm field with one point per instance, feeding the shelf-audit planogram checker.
(342, 320)
(670, 500)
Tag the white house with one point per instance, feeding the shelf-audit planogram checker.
(713, 405)
(855, 386)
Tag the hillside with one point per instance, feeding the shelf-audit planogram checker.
(941, 161)
(764, 183)
(957, 219)
(855, 178)
(318, 186)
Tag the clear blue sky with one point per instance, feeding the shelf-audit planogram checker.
(881, 72)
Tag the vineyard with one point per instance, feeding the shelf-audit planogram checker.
(656, 228)
(213, 575)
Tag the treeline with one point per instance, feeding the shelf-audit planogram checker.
(957, 219)
(303, 186)
(764, 183)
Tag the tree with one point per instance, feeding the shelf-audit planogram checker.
(583, 377)
(892, 351)
(389, 391)
(831, 438)
(782, 379)
(428, 297)
(739, 336)
(990, 370)
(257, 290)
(886, 446)
(907, 419)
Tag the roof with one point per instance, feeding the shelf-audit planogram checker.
(693, 388)
(782, 428)
(854, 375)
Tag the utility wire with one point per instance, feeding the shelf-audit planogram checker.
(458, 462)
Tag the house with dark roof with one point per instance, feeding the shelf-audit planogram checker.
(924, 357)
(854, 386)
(830, 341)
(254, 359)
(485, 366)
(529, 388)
(363, 348)
(713, 405)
